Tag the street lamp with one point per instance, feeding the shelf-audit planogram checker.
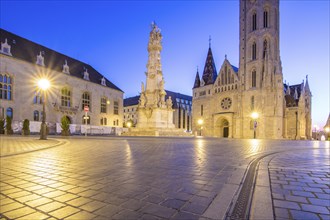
(43, 84)
(200, 123)
(129, 124)
(255, 116)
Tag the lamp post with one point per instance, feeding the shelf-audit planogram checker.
(200, 123)
(43, 85)
(316, 128)
(255, 116)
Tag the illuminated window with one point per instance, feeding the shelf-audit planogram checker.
(85, 101)
(66, 97)
(6, 87)
(84, 120)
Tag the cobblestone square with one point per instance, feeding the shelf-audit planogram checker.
(161, 178)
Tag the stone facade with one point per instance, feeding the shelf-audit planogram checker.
(74, 84)
(224, 102)
(182, 106)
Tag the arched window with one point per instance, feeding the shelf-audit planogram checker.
(254, 21)
(265, 48)
(66, 97)
(266, 18)
(6, 87)
(85, 101)
(254, 79)
(10, 112)
(254, 51)
(84, 119)
(36, 115)
(252, 103)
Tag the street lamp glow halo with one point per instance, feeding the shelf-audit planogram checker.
(200, 121)
(327, 129)
(44, 84)
(255, 115)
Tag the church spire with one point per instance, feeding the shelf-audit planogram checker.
(197, 80)
(307, 90)
(210, 72)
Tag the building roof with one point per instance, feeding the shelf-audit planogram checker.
(210, 72)
(235, 68)
(174, 95)
(292, 94)
(27, 50)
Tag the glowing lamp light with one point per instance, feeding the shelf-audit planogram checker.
(129, 124)
(327, 129)
(108, 102)
(255, 115)
(200, 121)
(44, 84)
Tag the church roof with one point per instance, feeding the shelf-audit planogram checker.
(27, 50)
(235, 68)
(292, 96)
(210, 72)
(174, 96)
(197, 81)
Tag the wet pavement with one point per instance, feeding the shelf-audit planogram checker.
(164, 178)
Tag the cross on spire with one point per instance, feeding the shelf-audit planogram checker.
(209, 41)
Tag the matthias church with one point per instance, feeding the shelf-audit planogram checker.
(252, 100)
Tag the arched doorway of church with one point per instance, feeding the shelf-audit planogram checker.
(225, 128)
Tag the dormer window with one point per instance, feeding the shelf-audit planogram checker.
(66, 68)
(86, 75)
(40, 59)
(5, 48)
(103, 81)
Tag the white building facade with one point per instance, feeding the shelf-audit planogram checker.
(74, 84)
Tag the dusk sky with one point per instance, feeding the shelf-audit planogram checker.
(112, 36)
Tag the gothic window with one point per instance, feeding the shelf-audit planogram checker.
(103, 105)
(85, 101)
(9, 112)
(84, 119)
(116, 107)
(65, 97)
(254, 51)
(37, 99)
(252, 103)
(265, 48)
(36, 115)
(6, 87)
(254, 21)
(265, 19)
(222, 78)
(254, 79)
(201, 110)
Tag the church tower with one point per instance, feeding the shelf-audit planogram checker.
(260, 70)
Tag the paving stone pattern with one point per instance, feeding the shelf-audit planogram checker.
(133, 178)
(300, 184)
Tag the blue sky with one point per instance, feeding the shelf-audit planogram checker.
(112, 36)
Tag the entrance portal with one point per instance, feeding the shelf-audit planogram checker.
(225, 132)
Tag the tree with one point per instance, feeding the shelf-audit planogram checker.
(65, 125)
(26, 127)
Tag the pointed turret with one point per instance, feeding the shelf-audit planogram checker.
(288, 92)
(295, 95)
(210, 72)
(307, 90)
(197, 80)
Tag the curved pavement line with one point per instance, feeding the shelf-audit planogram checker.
(61, 142)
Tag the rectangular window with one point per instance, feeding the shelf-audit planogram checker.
(66, 97)
(103, 105)
(202, 93)
(188, 121)
(85, 101)
(201, 110)
(183, 118)
(252, 103)
(254, 79)
(115, 107)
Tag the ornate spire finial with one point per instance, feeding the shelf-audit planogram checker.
(209, 41)
(197, 69)
(226, 56)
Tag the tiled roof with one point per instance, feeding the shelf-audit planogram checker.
(290, 99)
(197, 81)
(210, 72)
(174, 95)
(235, 68)
(27, 50)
